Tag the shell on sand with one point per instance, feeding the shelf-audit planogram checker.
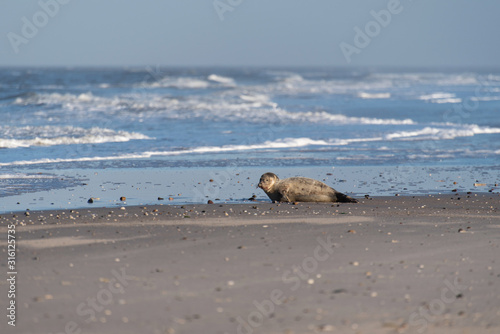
(300, 189)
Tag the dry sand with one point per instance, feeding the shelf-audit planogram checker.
(385, 265)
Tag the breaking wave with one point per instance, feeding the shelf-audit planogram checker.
(441, 98)
(431, 133)
(62, 135)
(250, 107)
(427, 133)
(221, 80)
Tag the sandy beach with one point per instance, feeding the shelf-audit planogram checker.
(386, 265)
(143, 144)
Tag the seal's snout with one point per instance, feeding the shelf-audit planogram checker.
(259, 185)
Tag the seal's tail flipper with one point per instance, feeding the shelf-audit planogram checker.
(342, 198)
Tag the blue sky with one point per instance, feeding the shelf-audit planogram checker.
(252, 33)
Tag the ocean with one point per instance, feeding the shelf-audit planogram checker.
(182, 135)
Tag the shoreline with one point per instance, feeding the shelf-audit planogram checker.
(145, 187)
(423, 264)
(458, 202)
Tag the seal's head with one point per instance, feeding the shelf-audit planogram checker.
(267, 181)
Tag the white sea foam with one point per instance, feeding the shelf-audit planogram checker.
(221, 80)
(277, 144)
(439, 79)
(299, 86)
(290, 78)
(450, 100)
(189, 82)
(254, 108)
(177, 82)
(65, 135)
(440, 97)
(256, 112)
(26, 176)
(262, 98)
(457, 79)
(249, 106)
(431, 133)
(427, 133)
(339, 119)
(365, 95)
(87, 102)
(294, 84)
(429, 156)
(84, 101)
(437, 96)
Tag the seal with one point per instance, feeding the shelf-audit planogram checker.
(300, 189)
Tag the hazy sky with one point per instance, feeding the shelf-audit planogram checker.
(250, 32)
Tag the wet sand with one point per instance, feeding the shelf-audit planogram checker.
(385, 265)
